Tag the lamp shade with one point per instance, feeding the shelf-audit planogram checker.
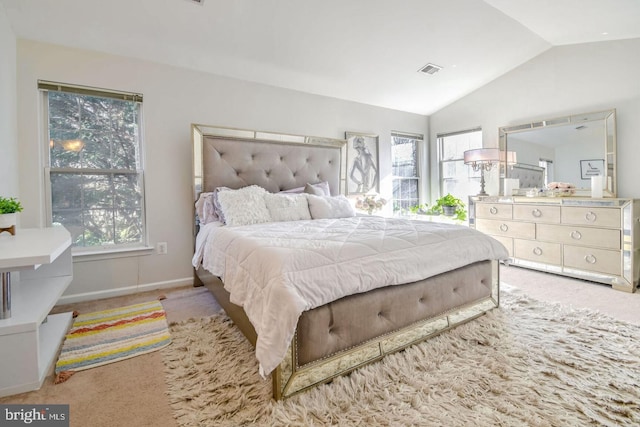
(481, 155)
(509, 157)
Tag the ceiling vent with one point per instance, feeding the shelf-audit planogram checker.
(430, 69)
(197, 1)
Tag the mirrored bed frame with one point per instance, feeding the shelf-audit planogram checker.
(339, 337)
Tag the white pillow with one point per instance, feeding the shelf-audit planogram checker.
(287, 207)
(244, 206)
(330, 207)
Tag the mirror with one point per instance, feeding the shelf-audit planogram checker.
(568, 149)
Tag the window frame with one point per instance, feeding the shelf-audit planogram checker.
(419, 138)
(94, 252)
(440, 151)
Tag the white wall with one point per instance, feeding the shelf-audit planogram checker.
(173, 99)
(8, 119)
(563, 80)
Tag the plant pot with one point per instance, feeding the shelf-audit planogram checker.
(8, 223)
(449, 210)
(8, 220)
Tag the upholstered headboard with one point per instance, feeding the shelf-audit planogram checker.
(237, 158)
(530, 176)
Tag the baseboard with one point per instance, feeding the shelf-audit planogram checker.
(110, 293)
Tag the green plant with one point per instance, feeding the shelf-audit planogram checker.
(9, 205)
(450, 200)
(418, 209)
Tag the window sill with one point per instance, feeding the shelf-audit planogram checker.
(108, 253)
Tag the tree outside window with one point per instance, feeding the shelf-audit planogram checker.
(95, 171)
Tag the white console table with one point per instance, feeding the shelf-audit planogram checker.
(29, 336)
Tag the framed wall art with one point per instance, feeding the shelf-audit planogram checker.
(363, 175)
(593, 167)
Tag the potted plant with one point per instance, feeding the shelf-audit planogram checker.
(451, 206)
(419, 209)
(8, 209)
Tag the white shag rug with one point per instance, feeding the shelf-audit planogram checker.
(526, 363)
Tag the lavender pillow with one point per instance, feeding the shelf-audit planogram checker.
(216, 203)
(296, 190)
(318, 189)
(205, 209)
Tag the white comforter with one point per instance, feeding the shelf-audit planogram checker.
(278, 270)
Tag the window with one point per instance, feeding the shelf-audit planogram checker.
(95, 175)
(406, 179)
(455, 177)
(547, 165)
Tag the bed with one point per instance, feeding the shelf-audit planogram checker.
(342, 334)
(528, 176)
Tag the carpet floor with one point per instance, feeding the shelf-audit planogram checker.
(526, 363)
(132, 392)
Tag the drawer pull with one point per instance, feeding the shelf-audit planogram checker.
(536, 213)
(590, 259)
(576, 235)
(504, 227)
(493, 210)
(590, 216)
(537, 251)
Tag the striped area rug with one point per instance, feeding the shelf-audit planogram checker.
(108, 336)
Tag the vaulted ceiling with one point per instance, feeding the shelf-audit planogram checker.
(367, 51)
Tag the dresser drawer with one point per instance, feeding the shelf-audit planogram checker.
(544, 252)
(591, 259)
(507, 242)
(526, 230)
(537, 213)
(601, 217)
(494, 210)
(584, 236)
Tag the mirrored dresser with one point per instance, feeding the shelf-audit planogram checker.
(586, 238)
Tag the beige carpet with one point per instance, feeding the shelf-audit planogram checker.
(130, 393)
(527, 363)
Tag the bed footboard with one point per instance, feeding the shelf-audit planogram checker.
(311, 361)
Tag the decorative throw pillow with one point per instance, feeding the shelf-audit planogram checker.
(330, 207)
(287, 207)
(216, 203)
(296, 190)
(244, 206)
(318, 189)
(205, 209)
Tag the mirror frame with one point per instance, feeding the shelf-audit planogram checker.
(610, 143)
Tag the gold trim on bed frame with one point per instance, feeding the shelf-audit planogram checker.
(290, 379)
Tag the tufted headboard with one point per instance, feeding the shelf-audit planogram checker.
(530, 176)
(236, 158)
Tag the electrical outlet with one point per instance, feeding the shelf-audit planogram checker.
(161, 248)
